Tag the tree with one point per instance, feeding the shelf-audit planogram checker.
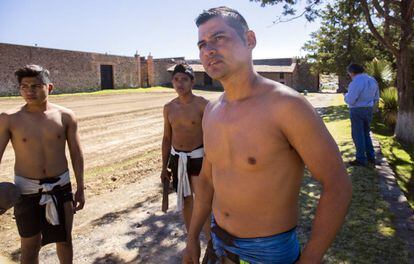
(392, 23)
(342, 39)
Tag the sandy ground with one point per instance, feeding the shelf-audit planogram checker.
(122, 221)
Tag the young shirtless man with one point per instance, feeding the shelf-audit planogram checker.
(182, 144)
(38, 131)
(258, 137)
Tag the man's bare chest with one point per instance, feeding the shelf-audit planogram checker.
(185, 117)
(37, 129)
(248, 143)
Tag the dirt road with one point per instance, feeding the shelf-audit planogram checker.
(122, 221)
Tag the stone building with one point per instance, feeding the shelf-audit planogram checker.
(292, 72)
(74, 71)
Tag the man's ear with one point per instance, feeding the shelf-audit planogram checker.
(250, 39)
(50, 88)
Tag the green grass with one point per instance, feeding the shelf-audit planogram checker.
(368, 235)
(400, 157)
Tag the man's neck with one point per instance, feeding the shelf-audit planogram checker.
(186, 98)
(357, 75)
(240, 85)
(42, 107)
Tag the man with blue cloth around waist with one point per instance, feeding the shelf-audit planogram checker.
(258, 137)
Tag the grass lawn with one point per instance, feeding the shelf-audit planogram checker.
(400, 157)
(368, 235)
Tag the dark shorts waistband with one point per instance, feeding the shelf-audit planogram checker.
(188, 151)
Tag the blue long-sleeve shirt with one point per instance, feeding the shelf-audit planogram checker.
(362, 91)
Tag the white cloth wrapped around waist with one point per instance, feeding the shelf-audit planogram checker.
(29, 186)
(183, 186)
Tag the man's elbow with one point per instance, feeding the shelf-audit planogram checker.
(340, 189)
(166, 140)
(343, 189)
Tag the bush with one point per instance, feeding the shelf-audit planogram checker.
(382, 72)
(389, 105)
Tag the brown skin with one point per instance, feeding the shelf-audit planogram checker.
(183, 131)
(258, 136)
(38, 132)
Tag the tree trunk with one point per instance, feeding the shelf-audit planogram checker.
(404, 130)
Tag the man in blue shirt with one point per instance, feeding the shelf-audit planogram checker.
(362, 98)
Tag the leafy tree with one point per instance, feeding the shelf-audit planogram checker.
(391, 22)
(341, 39)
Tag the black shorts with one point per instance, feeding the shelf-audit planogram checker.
(31, 217)
(193, 167)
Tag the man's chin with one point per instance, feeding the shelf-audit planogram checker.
(216, 75)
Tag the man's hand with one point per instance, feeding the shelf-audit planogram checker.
(79, 199)
(192, 252)
(165, 175)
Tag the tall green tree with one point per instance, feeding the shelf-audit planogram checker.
(391, 22)
(341, 39)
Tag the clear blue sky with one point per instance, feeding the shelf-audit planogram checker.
(165, 28)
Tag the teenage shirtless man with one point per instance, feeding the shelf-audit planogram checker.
(38, 131)
(182, 144)
(258, 137)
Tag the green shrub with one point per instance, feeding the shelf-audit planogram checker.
(389, 105)
(382, 72)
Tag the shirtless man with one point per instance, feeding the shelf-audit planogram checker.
(38, 131)
(182, 144)
(258, 137)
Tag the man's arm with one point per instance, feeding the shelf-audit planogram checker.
(201, 210)
(166, 145)
(377, 95)
(4, 133)
(76, 156)
(307, 133)
(354, 90)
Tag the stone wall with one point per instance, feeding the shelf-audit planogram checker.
(70, 71)
(275, 76)
(161, 75)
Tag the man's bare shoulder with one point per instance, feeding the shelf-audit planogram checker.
(66, 113)
(211, 104)
(170, 104)
(283, 97)
(10, 114)
(201, 100)
(13, 111)
(61, 109)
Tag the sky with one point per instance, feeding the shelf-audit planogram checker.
(162, 28)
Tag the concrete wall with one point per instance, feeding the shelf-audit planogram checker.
(70, 71)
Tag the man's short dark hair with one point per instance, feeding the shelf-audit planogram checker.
(33, 71)
(355, 68)
(233, 18)
(184, 68)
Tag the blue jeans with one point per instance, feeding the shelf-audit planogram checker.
(360, 121)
